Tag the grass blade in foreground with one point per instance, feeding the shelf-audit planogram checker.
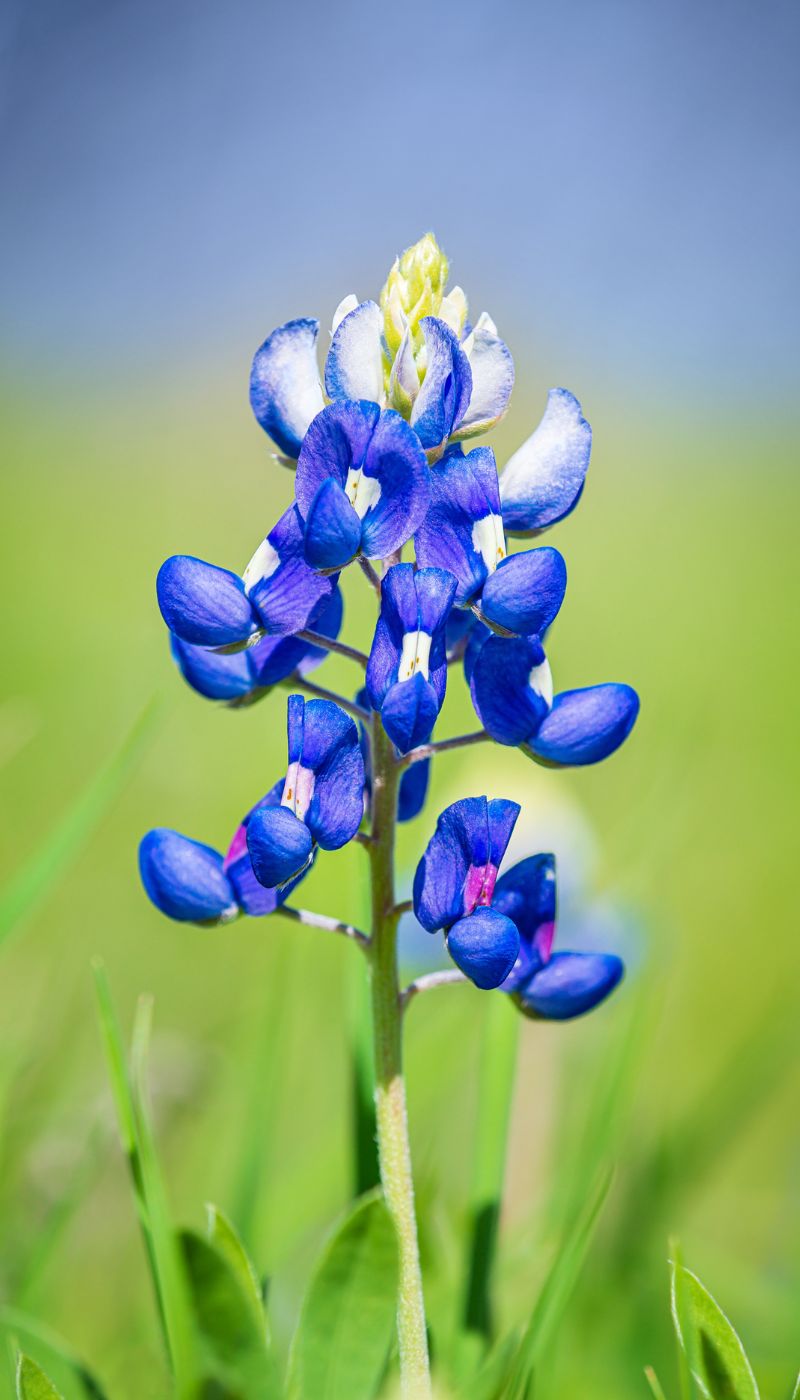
(713, 1348)
(347, 1322)
(32, 1383)
(654, 1383)
(33, 882)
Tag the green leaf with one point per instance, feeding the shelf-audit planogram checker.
(53, 855)
(796, 1391)
(222, 1233)
(233, 1336)
(347, 1321)
(32, 1383)
(716, 1355)
(73, 1377)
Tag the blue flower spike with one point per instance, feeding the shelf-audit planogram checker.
(363, 484)
(407, 669)
(512, 691)
(463, 532)
(414, 780)
(546, 985)
(544, 479)
(322, 798)
(454, 886)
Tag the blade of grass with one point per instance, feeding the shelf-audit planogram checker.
(684, 1335)
(52, 857)
(654, 1383)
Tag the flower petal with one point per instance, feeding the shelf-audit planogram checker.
(413, 790)
(283, 588)
(511, 688)
(470, 840)
(445, 393)
(569, 985)
(331, 751)
(279, 843)
(333, 530)
(203, 604)
(397, 462)
(410, 632)
(216, 676)
(484, 946)
(409, 711)
(285, 391)
(463, 529)
(526, 591)
(527, 895)
(354, 367)
(492, 379)
(585, 726)
(185, 879)
(544, 479)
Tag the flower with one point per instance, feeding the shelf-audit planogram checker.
(463, 532)
(242, 677)
(454, 885)
(414, 353)
(322, 798)
(362, 485)
(413, 785)
(543, 480)
(278, 593)
(547, 985)
(194, 883)
(407, 668)
(512, 691)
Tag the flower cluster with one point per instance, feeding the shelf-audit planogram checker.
(375, 440)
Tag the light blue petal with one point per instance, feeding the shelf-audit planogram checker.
(544, 479)
(492, 380)
(354, 367)
(285, 390)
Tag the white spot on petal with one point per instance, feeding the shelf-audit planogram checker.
(262, 565)
(541, 680)
(489, 541)
(415, 656)
(362, 491)
(298, 789)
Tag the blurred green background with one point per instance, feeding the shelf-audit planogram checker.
(611, 182)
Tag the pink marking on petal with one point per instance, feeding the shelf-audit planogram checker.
(479, 886)
(543, 941)
(237, 848)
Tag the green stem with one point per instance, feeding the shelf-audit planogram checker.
(390, 1095)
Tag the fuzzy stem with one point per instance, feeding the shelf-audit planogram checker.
(305, 916)
(330, 644)
(390, 1095)
(442, 746)
(295, 682)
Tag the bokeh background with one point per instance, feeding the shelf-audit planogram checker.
(617, 183)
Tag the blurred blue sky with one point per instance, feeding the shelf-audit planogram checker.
(614, 179)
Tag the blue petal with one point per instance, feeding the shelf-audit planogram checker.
(506, 702)
(284, 590)
(185, 879)
(485, 946)
(327, 621)
(396, 459)
(280, 845)
(470, 837)
(585, 726)
(354, 367)
(253, 898)
(544, 479)
(330, 749)
(203, 604)
(492, 379)
(336, 441)
(333, 530)
(413, 790)
(462, 530)
(285, 391)
(569, 985)
(525, 594)
(527, 895)
(479, 634)
(409, 711)
(442, 401)
(459, 623)
(412, 600)
(216, 676)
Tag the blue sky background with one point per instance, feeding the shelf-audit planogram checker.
(617, 181)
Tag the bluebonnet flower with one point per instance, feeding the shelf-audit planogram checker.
(407, 669)
(414, 780)
(454, 887)
(363, 484)
(547, 985)
(194, 883)
(415, 353)
(512, 691)
(279, 593)
(242, 677)
(322, 798)
(543, 480)
(463, 532)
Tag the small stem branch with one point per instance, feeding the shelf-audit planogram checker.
(363, 838)
(430, 750)
(305, 916)
(370, 574)
(404, 907)
(296, 682)
(328, 644)
(427, 983)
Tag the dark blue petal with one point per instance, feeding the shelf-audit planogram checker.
(527, 895)
(459, 867)
(479, 634)
(185, 879)
(336, 441)
(485, 946)
(397, 462)
(327, 621)
(203, 604)
(354, 367)
(331, 751)
(285, 391)
(585, 726)
(544, 479)
(409, 712)
(443, 399)
(413, 601)
(216, 676)
(463, 529)
(569, 985)
(279, 844)
(459, 623)
(413, 790)
(333, 530)
(284, 590)
(511, 688)
(525, 593)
